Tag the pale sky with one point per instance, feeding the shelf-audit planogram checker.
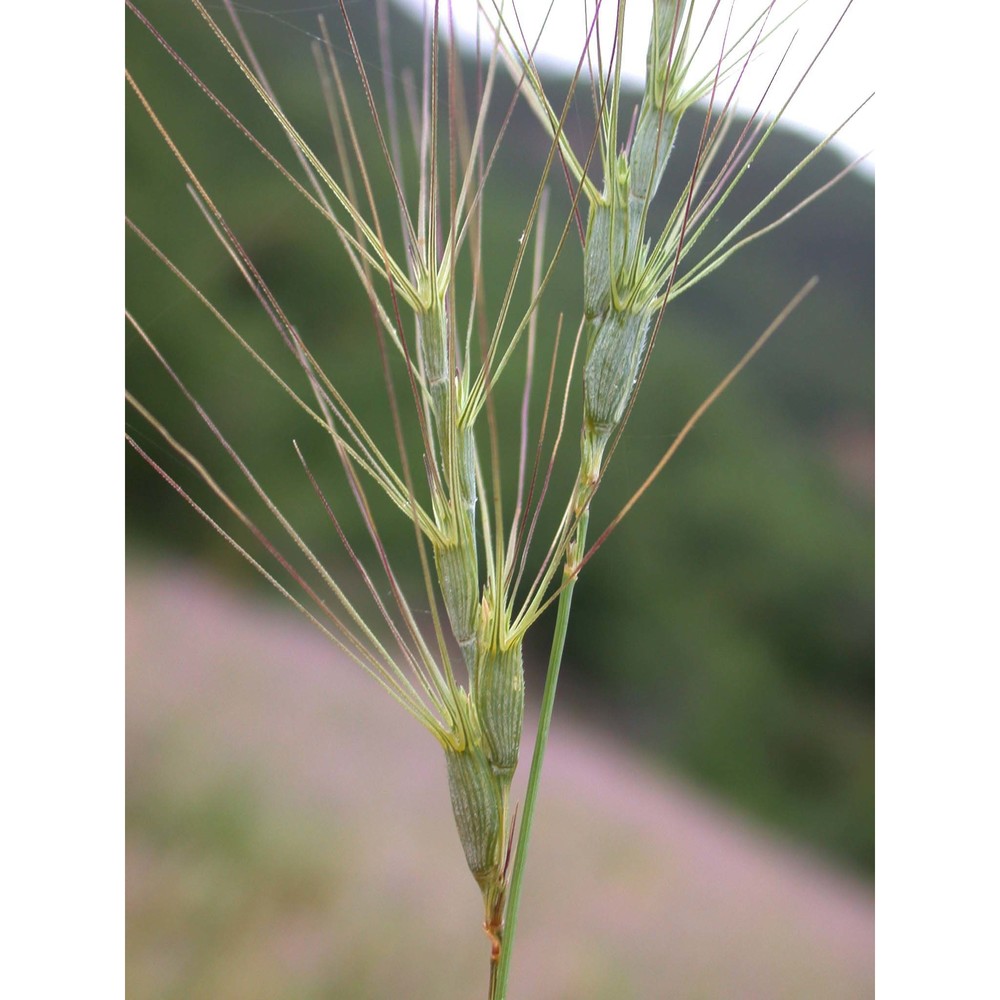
(841, 79)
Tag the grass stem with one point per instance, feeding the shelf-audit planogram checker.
(498, 982)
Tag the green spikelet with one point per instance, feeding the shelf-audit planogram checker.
(432, 339)
(618, 299)
(664, 56)
(651, 146)
(614, 357)
(477, 802)
(656, 127)
(607, 244)
(458, 576)
(499, 696)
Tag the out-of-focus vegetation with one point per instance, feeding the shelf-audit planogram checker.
(277, 851)
(728, 623)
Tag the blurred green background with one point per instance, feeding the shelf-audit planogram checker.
(727, 626)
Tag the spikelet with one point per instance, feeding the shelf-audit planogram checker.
(478, 800)
(656, 126)
(664, 56)
(432, 340)
(454, 498)
(499, 693)
(618, 304)
(616, 344)
(458, 575)
(600, 248)
(604, 248)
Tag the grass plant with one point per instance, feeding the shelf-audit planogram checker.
(491, 557)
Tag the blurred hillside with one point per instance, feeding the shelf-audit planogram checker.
(727, 626)
(290, 838)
